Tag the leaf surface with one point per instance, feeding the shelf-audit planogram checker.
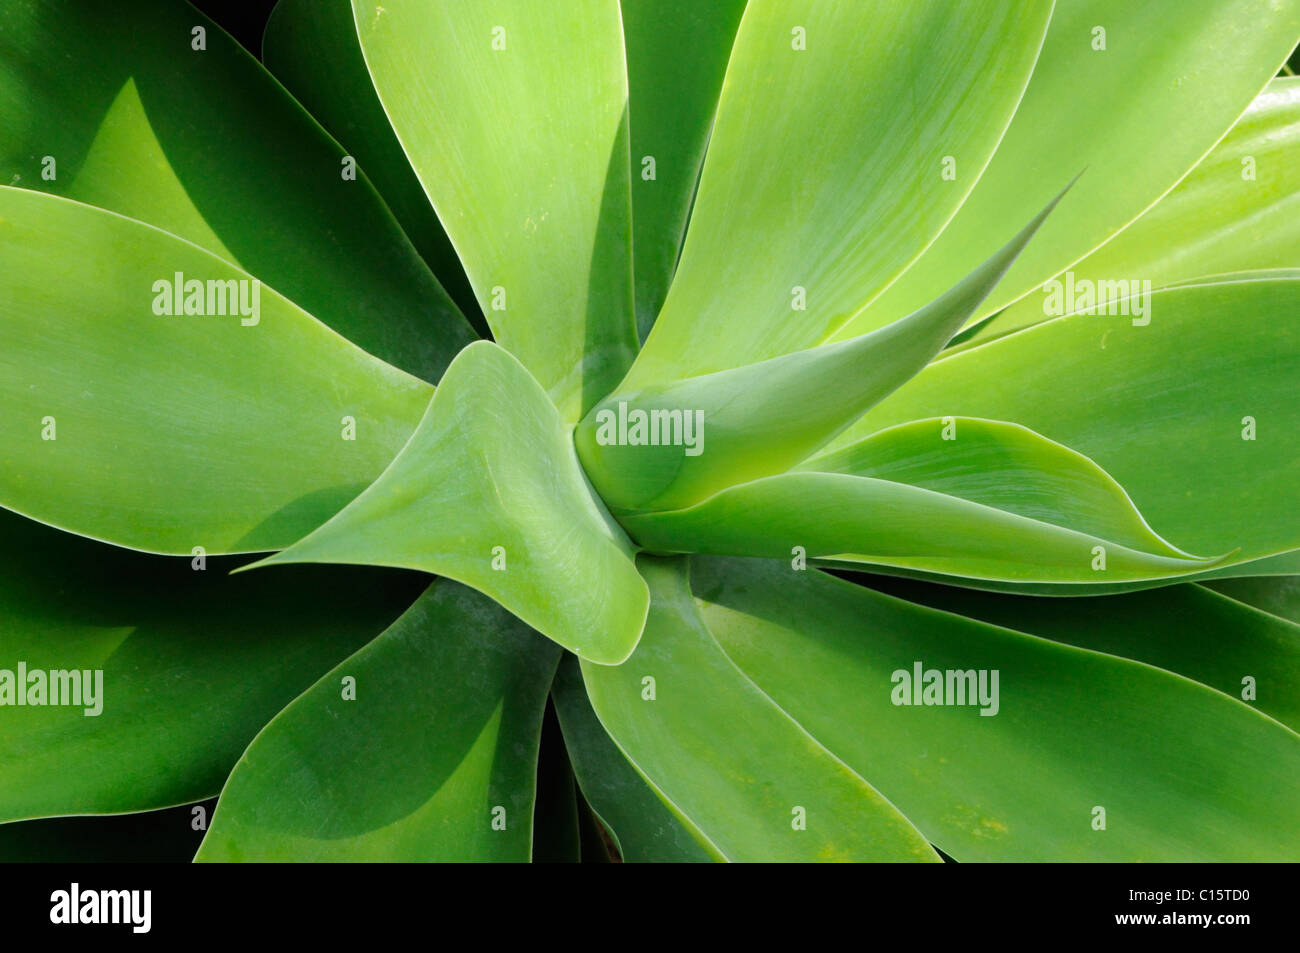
(641, 824)
(193, 664)
(1140, 114)
(1002, 465)
(825, 170)
(434, 758)
(166, 432)
(731, 764)
(677, 52)
(312, 47)
(1277, 595)
(514, 117)
(1186, 629)
(489, 492)
(852, 519)
(1181, 771)
(203, 143)
(1162, 407)
(1239, 209)
(763, 418)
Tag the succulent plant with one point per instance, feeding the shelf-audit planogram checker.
(663, 430)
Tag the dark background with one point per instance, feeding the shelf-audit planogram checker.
(243, 19)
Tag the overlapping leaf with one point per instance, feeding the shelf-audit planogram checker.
(746, 779)
(764, 418)
(1245, 653)
(677, 53)
(514, 117)
(1140, 113)
(193, 663)
(1004, 466)
(489, 492)
(168, 836)
(848, 518)
(641, 824)
(166, 432)
(311, 46)
(147, 108)
(1277, 595)
(1238, 210)
(1193, 413)
(421, 746)
(825, 174)
(1181, 771)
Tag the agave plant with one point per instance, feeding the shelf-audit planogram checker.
(862, 429)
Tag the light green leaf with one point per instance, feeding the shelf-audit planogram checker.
(311, 46)
(174, 431)
(489, 492)
(677, 53)
(1162, 407)
(1186, 629)
(1287, 563)
(829, 160)
(1258, 274)
(193, 664)
(764, 418)
(514, 116)
(1181, 771)
(643, 827)
(206, 145)
(1002, 465)
(1239, 209)
(771, 792)
(433, 758)
(848, 518)
(1140, 114)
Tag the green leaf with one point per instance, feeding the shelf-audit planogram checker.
(744, 795)
(677, 54)
(174, 431)
(1162, 407)
(1140, 114)
(514, 116)
(193, 663)
(1277, 595)
(1239, 209)
(642, 826)
(848, 518)
(830, 160)
(436, 750)
(1224, 567)
(489, 492)
(1002, 465)
(311, 46)
(206, 145)
(1182, 772)
(1186, 629)
(764, 418)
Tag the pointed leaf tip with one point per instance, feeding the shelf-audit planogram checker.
(489, 491)
(645, 450)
